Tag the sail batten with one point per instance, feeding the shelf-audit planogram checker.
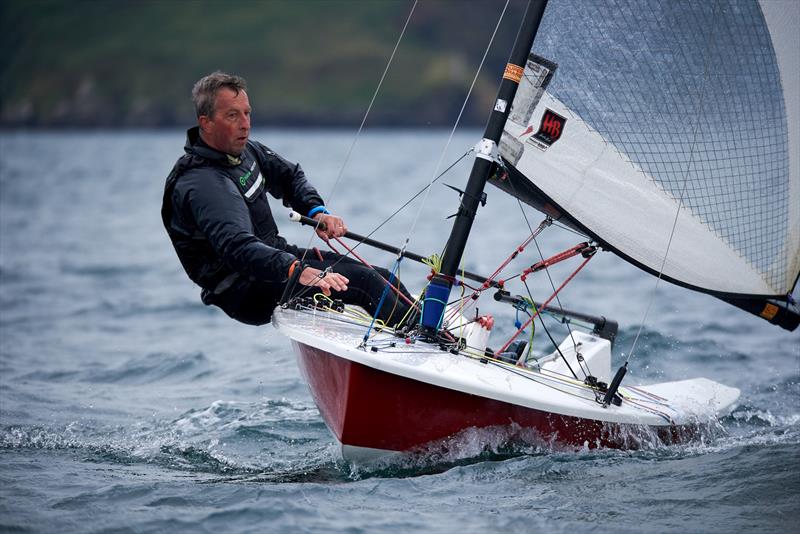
(668, 120)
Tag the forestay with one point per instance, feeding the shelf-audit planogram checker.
(669, 132)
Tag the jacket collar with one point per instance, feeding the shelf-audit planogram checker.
(195, 146)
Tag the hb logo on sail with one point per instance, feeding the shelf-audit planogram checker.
(550, 128)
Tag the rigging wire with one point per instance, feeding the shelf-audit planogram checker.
(455, 126)
(690, 162)
(547, 269)
(351, 250)
(436, 174)
(366, 114)
(372, 101)
(486, 284)
(410, 200)
(407, 239)
(568, 229)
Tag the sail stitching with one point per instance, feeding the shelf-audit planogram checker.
(689, 164)
(639, 89)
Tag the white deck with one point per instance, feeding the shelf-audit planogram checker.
(696, 400)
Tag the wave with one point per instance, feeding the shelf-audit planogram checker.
(226, 438)
(319, 463)
(653, 345)
(149, 369)
(155, 367)
(280, 441)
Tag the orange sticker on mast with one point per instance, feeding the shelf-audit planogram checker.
(513, 72)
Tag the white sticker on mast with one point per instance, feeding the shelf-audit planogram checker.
(536, 77)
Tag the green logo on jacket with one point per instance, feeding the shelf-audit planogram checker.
(245, 176)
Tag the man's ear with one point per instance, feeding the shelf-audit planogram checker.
(204, 121)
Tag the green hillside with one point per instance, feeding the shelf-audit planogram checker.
(132, 63)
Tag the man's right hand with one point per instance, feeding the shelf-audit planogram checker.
(331, 281)
(334, 226)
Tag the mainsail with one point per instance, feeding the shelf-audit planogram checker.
(669, 132)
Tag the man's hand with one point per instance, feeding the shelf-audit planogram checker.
(331, 281)
(334, 226)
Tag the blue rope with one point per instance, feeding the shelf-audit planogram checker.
(383, 297)
(519, 307)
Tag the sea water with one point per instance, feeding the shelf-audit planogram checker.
(128, 405)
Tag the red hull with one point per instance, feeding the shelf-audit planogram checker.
(365, 407)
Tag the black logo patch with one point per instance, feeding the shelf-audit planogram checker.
(551, 127)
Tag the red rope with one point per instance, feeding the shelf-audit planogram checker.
(327, 242)
(543, 306)
(487, 283)
(513, 255)
(580, 248)
(353, 252)
(362, 260)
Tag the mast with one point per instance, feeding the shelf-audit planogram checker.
(439, 289)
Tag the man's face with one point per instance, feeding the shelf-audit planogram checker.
(228, 128)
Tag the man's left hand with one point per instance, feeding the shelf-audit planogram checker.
(334, 226)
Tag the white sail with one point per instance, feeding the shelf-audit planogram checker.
(783, 18)
(669, 132)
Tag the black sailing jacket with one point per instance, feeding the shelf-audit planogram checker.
(216, 213)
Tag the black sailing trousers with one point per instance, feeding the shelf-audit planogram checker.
(251, 301)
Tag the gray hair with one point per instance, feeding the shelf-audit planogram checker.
(204, 92)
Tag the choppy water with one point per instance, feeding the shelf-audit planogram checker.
(127, 405)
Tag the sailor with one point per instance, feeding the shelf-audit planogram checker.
(217, 215)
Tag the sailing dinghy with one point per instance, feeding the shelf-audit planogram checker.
(667, 133)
